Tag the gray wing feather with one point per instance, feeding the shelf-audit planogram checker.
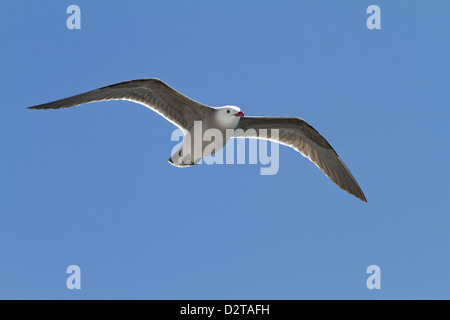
(302, 137)
(152, 93)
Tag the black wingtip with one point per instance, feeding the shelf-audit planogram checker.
(45, 107)
(39, 107)
(361, 196)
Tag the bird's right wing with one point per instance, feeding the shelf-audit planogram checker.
(152, 93)
(299, 135)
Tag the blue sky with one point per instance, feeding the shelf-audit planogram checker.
(91, 185)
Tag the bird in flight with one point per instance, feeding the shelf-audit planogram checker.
(185, 112)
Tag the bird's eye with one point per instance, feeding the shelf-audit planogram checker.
(228, 111)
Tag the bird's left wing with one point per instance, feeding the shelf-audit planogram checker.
(152, 93)
(299, 135)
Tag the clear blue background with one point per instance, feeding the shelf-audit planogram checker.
(91, 185)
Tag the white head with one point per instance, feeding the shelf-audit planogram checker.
(228, 116)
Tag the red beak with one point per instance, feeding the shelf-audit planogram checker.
(240, 114)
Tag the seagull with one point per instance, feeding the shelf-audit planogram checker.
(185, 112)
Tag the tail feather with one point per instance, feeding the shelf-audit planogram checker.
(182, 161)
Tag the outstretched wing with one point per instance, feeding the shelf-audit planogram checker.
(152, 93)
(299, 135)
